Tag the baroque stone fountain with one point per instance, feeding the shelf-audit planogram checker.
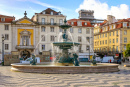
(65, 64)
(65, 59)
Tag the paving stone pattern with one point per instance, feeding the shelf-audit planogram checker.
(19, 79)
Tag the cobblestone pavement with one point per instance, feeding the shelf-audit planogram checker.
(19, 79)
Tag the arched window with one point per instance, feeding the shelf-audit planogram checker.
(25, 38)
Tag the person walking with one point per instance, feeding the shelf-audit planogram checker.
(110, 60)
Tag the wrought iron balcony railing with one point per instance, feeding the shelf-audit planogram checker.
(46, 23)
(25, 47)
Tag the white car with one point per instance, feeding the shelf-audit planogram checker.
(98, 59)
(107, 59)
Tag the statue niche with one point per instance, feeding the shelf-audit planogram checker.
(25, 38)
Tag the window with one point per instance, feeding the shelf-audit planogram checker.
(80, 30)
(52, 29)
(106, 28)
(72, 23)
(110, 40)
(71, 30)
(87, 47)
(88, 39)
(113, 40)
(124, 47)
(110, 49)
(125, 40)
(79, 23)
(113, 33)
(80, 47)
(2, 19)
(51, 12)
(79, 39)
(100, 42)
(116, 40)
(60, 30)
(110, 27)
(110, 34)
(59, 13)
(85, 23)
(116, 48)
(125, 32)
(52, 38)
(103, 29)
(106, 35)
(105, 41)
(25, 40)
(61, 21)
(103, 35)
(6, 36)
(6, 46)
(116, 32)
(42, 37)
(52, 21)
(43, 29)
(43, 47)
(87, 31)
(43, 20)
(114, 26)
(100, 36)
(6, 27)
(43, 12)
(124, 24)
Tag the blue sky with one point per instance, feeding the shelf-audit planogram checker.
(119, 8)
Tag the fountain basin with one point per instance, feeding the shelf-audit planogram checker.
(49, 69)
(65, 43)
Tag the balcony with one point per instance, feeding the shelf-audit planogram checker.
(25, 47)
(46, 23)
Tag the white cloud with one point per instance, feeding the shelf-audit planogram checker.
(101, 10)
(45, 4)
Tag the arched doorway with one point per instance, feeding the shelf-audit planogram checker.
(25, 54)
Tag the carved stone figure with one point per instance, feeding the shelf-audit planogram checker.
(94, 61)
(76, 62)
(34, 61)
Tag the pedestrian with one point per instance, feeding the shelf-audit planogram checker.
(110, 60)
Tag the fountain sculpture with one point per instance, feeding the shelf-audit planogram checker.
(65, 59)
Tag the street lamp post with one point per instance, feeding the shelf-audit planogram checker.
(89, 51)
(3, 49)
(89, 47)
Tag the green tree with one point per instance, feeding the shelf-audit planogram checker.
(126, 53)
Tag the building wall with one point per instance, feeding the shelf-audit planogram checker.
(58, 34)
(3, 31)
(119, 29)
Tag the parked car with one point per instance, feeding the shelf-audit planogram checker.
(118, 61)
(98, 59)
(107, 59)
